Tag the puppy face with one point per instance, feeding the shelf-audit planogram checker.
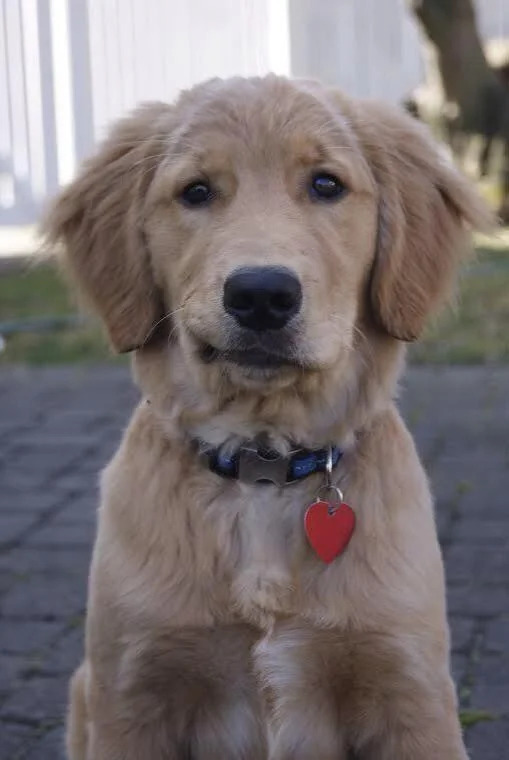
(267, 224)
(261, 227)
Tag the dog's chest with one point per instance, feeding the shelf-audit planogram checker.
(269, 561)
(244, 550)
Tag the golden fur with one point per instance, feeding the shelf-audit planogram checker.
(213, 631)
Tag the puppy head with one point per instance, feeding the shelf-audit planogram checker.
(266, 223)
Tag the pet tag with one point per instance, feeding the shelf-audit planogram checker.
(329, 525)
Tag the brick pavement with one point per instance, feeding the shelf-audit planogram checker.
(59, 426)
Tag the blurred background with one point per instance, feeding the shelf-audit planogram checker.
(68, 68)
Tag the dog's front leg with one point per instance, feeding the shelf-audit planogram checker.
(381, 696)
(179, 693)
(303, 720)
(307, 730)
(232, 731)
(418, 726)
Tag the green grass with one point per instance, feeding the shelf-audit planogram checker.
(476, 331)
(35, 292)
(471, 717)
(32, 291)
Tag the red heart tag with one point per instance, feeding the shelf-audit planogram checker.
(329, 529)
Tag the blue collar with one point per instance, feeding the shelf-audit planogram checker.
(252, 463)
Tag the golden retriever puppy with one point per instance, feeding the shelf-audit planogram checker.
(265, 248)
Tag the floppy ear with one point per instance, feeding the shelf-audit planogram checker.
(426, 212)
(99, 219)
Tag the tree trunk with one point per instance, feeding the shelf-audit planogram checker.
(470, 85)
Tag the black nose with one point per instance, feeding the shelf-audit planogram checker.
(262, 298)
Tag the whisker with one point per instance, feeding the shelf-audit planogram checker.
(160, 321)
(171, 334)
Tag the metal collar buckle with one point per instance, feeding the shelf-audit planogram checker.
(268, 466)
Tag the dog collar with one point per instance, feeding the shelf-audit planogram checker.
(253, 463)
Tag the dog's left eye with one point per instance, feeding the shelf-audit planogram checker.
(197, 194)
(326, 187)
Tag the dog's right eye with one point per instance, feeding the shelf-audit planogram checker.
(197, 194)
(326, 187)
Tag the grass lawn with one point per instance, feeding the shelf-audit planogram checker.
(476, 330)
(31, 294)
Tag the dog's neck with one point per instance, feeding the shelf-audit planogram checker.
(330, 409)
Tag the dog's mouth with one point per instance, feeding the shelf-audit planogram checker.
(255, 357)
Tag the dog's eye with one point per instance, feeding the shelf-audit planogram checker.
(197, 194)
(326, 187)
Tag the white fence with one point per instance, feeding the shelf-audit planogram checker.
(69, 67)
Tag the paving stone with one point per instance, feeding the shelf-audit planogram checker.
(67, 653)
(12, 527)
(47, 461)
(485, 496)
(9, 430)
(58, 534)
(40, 561)
(14, 501)
(80, 510)
(473, 486)
(69, 421)
(7, 581)
(11, 667)
(37, 699)
(492, 532)
(488, 567)
(25, 637)
(473, 600)
(54, 599)
(490, 689)
(496, 636)
(51, 746)
(61, 426)
(462, 630)
(54, 447)
(493, 697)
(74, 483)
(23, 480)
(95, 464)
(14, 738)
(489, 740)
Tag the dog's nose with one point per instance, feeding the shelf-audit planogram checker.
(262, 298)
